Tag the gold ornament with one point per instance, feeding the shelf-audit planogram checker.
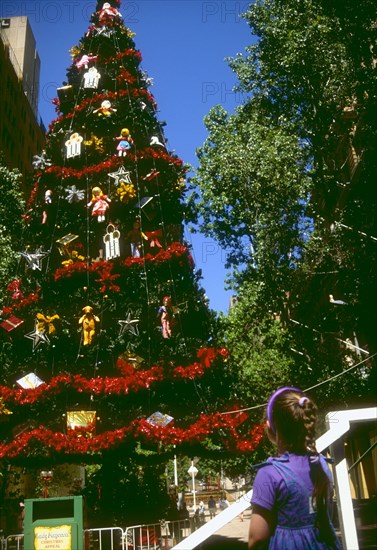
(126, 192)
(3, 410)
(96, 143)
(46, 323)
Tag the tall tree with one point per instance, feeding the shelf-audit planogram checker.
(272, 175)
(118, 345)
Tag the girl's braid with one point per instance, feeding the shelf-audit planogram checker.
(309, 416)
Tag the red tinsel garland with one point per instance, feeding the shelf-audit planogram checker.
(134, 92)
(134, 380)
(175, 250)
(43, 441)
(111, 164)
(104, 270)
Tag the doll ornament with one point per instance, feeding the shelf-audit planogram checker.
(100, 204)
(135, 238)
(125, 142)
(166, 317)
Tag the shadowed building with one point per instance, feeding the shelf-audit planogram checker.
(21, 129)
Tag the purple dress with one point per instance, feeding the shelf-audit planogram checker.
(283, 486)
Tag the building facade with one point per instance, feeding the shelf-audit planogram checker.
(21, 129)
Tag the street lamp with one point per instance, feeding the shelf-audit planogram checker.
(193, 471)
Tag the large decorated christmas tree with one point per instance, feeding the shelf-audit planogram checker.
(108, 364)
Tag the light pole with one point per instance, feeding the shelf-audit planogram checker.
(193, 471)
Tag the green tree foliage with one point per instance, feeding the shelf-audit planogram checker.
(273, 188)
(11, 226)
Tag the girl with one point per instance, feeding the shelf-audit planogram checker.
(291, 492)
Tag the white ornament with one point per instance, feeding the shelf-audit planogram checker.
(111, 240)
(91, 78)
(73, 145)
(156, 141)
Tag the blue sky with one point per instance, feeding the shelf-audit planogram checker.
(183, 44)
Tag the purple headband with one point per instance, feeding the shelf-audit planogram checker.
(271, 401)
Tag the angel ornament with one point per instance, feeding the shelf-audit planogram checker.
(100, 204)
(105, 110)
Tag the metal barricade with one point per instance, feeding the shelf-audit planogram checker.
(156, 536)
(104, 538)
(14, 542)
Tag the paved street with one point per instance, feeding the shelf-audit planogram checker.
(231, 537)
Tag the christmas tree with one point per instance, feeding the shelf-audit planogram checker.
(119, 370)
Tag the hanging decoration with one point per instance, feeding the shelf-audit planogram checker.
(336, 302)
(41, 162)
(73, 194)
(134, 239)
(64, 243)
(30, 381)
(105, 109)
(48, 202)
(111, 241)
(73, 145)
(126, 192)
(166, 317)
(85, 60)
(38, 336)
(159, 419)
(95, 143)
(100, 204)
(10, 324)
(156, 142)
(148, 207)
(129, 358)
(46, 323)
(3, 410)
(108, 12)
(34, 259)
(65, 94)
(88, 322)
(125, 142)
(121, 175)
(81, 419)
(153, 237)
(151, 175)
(129, 325)
(102, 31)
(75, 257)
(92, 78)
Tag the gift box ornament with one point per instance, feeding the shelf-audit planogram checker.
(30, 381)
(81, 419)
(132, 358)
(11, 323)
(64, 242)
(148, 207)
(159, 419)
(65, 94)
